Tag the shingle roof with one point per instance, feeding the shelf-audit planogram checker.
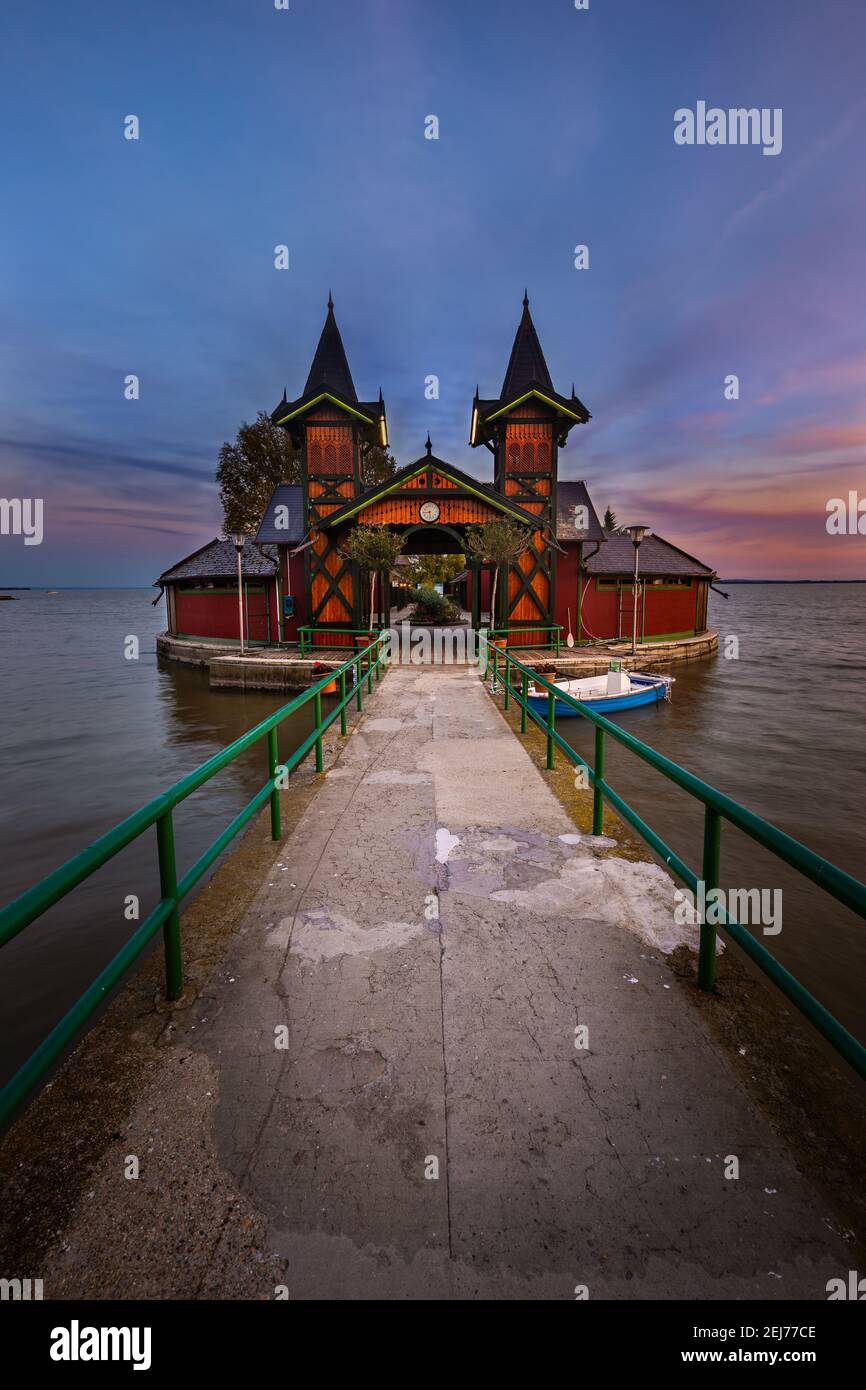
(218, 560)
(330, 366)
(526, 365)
(329, 373)
(657, 557)
(527, 372)
(291, 497)
(568, 496)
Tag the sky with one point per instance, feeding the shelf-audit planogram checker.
(305, 127)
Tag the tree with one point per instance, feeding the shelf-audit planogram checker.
(610, 521)
(498, 543)
(375, 549)
(429, 570)
(377, 464)
(249, 470)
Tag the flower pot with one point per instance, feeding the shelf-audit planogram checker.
(546, 675)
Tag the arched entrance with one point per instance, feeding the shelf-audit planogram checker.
(434, 555)
(433, 504)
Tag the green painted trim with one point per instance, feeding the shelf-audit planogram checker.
(326, 396)
(668, 636)
(395, 487)
(503, 410)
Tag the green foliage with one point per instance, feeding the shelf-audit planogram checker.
(375, 548)
(432, 569)
(431, 607)
(498, 543)
(249, 470)
(610, 521)
(262, 456)
(377, 464)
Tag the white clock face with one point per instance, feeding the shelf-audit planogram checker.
(429, 511)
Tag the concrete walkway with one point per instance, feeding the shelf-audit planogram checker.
(428, 942)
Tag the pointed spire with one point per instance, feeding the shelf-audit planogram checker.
(330, 367)
(526, 365)
(429, 445)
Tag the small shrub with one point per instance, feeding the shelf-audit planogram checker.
(431, 607)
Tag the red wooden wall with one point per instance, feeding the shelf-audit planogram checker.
(214, 613)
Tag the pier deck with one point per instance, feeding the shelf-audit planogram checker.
(432, 933)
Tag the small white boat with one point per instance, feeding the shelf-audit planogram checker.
(606, 694)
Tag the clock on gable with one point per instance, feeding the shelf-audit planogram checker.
(429, 511)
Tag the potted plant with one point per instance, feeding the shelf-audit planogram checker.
(320, 670)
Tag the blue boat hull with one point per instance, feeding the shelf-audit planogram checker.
(652, 695)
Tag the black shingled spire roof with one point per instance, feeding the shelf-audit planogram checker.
(526, 365)
(330, 366)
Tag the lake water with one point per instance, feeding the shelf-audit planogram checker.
(88, 736)
(782, 729)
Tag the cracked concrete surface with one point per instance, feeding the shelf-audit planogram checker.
(408, 990)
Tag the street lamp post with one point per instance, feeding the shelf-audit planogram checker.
(637, 534)
(240, 540)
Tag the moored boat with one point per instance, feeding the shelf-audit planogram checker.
(607, 694)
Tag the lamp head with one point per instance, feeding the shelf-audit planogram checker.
(637, 534)
(240, 541)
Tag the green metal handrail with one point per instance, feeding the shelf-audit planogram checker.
(717, 808)
(31, 904)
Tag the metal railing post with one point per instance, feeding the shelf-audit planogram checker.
(505, 680)
(524, 688)
(710, 874)
(273, 763)
(168, 889)
(551, 722)
(343, 725)
(359, 684)
(317, 715)
(597, 794)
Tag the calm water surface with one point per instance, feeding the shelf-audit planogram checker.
(88, 736)
(782, 730)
